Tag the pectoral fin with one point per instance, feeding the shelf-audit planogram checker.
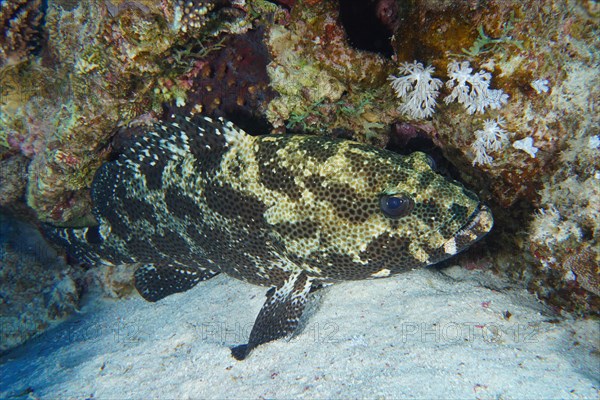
(279, 316)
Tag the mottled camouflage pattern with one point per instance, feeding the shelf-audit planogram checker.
(193, 198)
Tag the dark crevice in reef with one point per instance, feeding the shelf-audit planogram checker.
(406, 138)
(369, 24)
(250, 124)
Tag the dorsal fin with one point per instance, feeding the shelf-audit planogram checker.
(203, 138)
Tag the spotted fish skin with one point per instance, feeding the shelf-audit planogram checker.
(195, 197)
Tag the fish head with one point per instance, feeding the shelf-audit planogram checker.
(435, 217)
(374, 213)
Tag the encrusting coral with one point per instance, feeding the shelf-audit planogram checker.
(323, 83)
(95, 75)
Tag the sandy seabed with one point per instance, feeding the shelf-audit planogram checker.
(424, 334)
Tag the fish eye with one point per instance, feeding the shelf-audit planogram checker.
(431, 162)
(396, 205)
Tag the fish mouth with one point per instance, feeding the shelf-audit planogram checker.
(478, 225)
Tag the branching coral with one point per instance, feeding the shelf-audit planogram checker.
(20, 22)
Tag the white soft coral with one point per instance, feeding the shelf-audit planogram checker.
(480, 153)
(492, 134)
(491, 138)
(472, 90)
(417, 89)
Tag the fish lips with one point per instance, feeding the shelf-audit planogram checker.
(478, 225)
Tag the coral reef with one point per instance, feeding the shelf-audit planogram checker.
(95, 75)
(232, 81)
(104, 65)
(518, 124)
(296, 70)
(323, 83)
(542, 60)
(20, 30)
(510, 41)
(564, 236)
(13, 174)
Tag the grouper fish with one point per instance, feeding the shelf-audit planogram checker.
(193, 197)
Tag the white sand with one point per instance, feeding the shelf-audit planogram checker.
(424, 334)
